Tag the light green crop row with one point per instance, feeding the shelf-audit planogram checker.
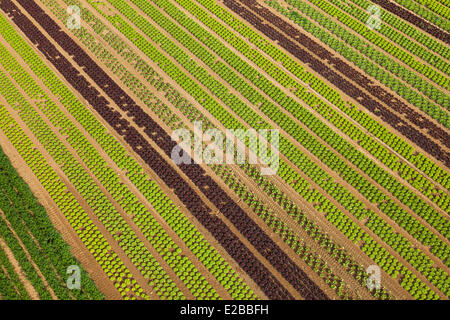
(358, 12)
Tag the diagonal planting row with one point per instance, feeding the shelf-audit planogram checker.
(11, 287)
(213, 192)
(421, 18)
(438, 6)
(137, 41)
(410, 30)
(352, 15)
(422, 21)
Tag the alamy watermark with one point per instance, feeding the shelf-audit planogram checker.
(74, 280)
(74, 19)
(374, 279)
(374, 21)
(228, 150)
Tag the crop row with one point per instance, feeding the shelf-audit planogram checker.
(369, 124)
(350, 40)
(433, 5)
(137, 39)
(11, 288)
(26, 265)
(381, 42)
(285, 147)
(192, 201)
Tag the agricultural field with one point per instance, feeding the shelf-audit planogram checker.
(224, 150)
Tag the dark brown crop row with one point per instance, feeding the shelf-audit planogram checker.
(265, 21)
(248, 228)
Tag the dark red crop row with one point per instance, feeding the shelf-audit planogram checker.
(268, 23)
(248, 228)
